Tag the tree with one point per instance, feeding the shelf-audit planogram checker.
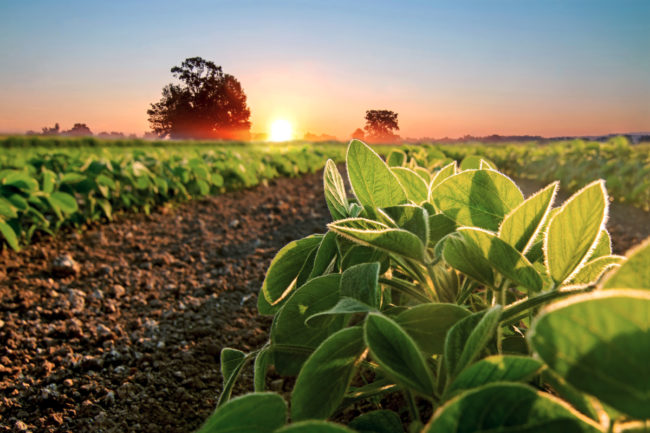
(78, 130)
(206, 104)
(51, 131)
(380, 125)
(358, 134)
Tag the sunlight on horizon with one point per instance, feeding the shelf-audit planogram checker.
(281, 130)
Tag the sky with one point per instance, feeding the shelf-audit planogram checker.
(448, 68)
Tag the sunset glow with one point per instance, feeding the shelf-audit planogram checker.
(281, 130)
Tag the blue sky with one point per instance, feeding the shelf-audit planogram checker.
(447, 67)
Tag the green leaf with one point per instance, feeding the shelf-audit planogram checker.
(397, 353)
(378, 235)
(293, 341)
(71, 178)
(21, 180)
(7, 209)
(362, 282)
(467, 338)
(235, 416)
(232, 361)
(479, 198)
(326, 255)
(48, 181)
(344, 306)
(573, 231)
(605, 354)
(281, 277)
(496, 368)
(362, 254)
(464, 257)
(471, 162)
(440, 226)
(442, 174)
(521, 226)
(326, 375)
(314, 427)
(503, 257)
(635, 272)
(415, 187)
(592, 270)
(335, 196)
(262, 362)
(61, 203)
(396, 158)
(9, 235)
(408, 217)
(427, 324)
(508, 407)
(603, 247)
(372, 181)
(377, 421)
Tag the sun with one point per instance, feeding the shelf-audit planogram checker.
(281, 130)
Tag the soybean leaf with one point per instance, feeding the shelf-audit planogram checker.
(293, 341)
(63, 201)
(471, 162)
(440, 225)
(314, 427)
(232, 361)
(397, 353)
(467, 338)
(415, 187)
(235, 416)
(378, 235)
(345, 305)
(593, 269)
(511, 407)
(262, 362)
(377, 421)
(603, 247)
(362, 282)
(7, 209)
(479, 198)
(427, 324)
(396, 158)
(635, 272)
(521, 226)
(326, 375)
(465, 258)
(49, 179)
(442, 174)
(573, 232)
(281, 277)
(605, 354)
(9, 235)
(335, 196)
(503, 257)
(408, 217)
(496, 368)
(372, 181)
(585, 403)
(362, 254)
(326, 255)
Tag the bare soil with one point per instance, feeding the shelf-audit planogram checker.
(119, 328)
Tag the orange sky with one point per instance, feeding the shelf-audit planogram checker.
(550, 68)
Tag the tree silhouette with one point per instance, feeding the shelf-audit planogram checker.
(358, 134)
(51, 131)
(206, 104)
(380, 125)
(78, 130)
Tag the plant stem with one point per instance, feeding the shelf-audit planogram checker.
(413, 407)
(404, 287)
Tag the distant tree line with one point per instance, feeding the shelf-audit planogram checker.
(380, 127)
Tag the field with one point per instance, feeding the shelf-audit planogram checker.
(140, 283)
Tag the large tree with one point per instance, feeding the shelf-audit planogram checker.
(205, 104)
(380, 125)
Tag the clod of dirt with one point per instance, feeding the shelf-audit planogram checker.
(64, 266)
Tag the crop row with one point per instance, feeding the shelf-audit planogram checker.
(442, 300)
(624, 167)
(40, 192)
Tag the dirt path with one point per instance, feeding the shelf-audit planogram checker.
(130, 342)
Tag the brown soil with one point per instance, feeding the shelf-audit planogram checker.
(129, 338)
